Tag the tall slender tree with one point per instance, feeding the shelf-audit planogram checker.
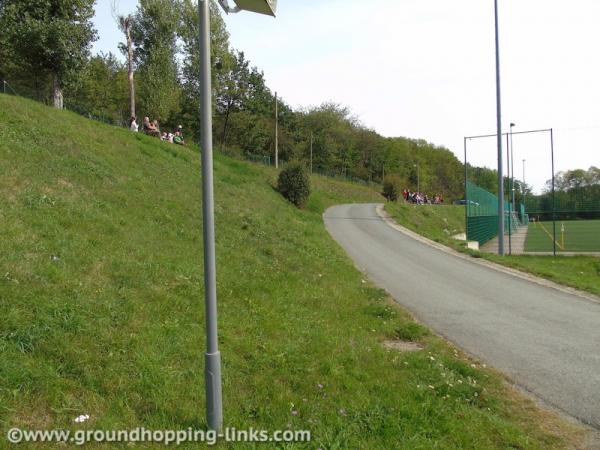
(125, 25)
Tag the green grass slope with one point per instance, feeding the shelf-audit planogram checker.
(437, 222)
(101, 305)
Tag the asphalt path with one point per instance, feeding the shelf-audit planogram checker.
(546, 340)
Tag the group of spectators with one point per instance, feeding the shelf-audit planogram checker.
(418, 198)
(152, 129)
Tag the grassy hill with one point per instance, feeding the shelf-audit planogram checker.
(101, 305)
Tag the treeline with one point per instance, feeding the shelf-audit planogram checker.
(576, 195)
(45, 54)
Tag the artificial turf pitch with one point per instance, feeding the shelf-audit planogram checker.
(571, 236)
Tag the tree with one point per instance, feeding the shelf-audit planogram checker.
(190, 70)
(234, 90)
(153, 30)
(125, 25)
(101, 89)
(50, 39)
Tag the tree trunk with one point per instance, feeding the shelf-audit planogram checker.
(57, 96)
(130, 70)
(225, 125)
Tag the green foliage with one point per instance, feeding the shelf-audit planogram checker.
(154, 32)
(44, 42)
(294, 184)
(392, 188)
(101, 90)
(576, 196)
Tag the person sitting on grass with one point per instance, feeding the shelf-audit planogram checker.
(178, 138)
(151, 128)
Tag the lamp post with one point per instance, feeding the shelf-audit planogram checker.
(276, 133)
(499, 138)
(311, 152)
(418, 177)
(212, 357)
(523, 185)
(512, 168)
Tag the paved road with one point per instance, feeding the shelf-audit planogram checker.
(547, 341)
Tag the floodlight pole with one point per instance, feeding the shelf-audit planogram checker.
(499, 138)
(311, 152)
(523, 186)
(276, 133)
(212, 357)
(512, 168)
(553, 194)
(466, 195)
(509, 205)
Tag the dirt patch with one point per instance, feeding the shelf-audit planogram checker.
(402, 346)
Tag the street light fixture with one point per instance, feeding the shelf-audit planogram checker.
(267, 7)
(212, 357)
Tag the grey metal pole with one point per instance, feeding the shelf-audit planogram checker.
(499, 138)
(466, 196)
(212, 358)
(523, 186)
(276, 134)
(512, 168)
(553, 194)
(311, 152)
(509, 205)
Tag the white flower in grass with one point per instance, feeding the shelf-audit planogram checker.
(82, 418)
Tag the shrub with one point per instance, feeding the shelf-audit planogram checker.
(294, 184)
(391, 188)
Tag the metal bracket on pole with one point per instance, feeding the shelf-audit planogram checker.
(228, 9)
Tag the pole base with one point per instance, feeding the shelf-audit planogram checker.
(214, 399)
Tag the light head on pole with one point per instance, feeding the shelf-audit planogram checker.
(267, 7)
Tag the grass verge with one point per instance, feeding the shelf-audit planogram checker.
(101, 308)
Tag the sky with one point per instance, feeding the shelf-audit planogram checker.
(426, 70)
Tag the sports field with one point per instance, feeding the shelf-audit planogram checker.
(571, 236)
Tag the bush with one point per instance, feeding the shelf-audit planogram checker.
(294, 184)
(391, 188)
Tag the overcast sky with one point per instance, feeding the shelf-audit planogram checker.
(426, 69)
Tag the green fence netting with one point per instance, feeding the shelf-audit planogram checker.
(482, 215)
(569, 204)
